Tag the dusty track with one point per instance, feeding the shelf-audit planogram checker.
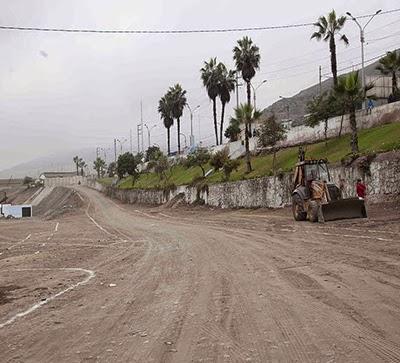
(199, 285)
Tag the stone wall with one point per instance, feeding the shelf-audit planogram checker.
(66, 181)
(382, 180)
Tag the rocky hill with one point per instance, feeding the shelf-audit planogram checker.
(295, 107)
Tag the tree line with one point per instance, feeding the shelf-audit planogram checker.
(345, 96)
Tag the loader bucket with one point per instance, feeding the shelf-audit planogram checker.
(344, 209)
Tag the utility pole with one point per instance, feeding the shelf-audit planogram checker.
(255, 90)
(149, 131)
(115, 150)
(320, 80)
(191, 137)
(362, 40)
(237, 90)
(139, 133)
(130, 141)
(141, 123)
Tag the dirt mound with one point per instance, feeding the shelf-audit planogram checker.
(59, 202)
(18, 194)
(175, 201)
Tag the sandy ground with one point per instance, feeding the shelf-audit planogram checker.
(117, 283)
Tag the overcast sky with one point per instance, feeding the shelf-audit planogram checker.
(62, 91)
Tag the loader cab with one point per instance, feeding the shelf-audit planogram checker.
(317, 171)
(309, 170)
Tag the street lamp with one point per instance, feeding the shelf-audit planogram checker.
(149, 131)
(105, 153)
(287, 106)
(121, 142)
(255, 89)
(191, 138)
(185, 139)
(362, 40)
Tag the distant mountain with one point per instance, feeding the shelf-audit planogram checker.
(56, 162)
(296, 107)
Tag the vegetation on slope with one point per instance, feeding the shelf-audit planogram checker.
(374, 140)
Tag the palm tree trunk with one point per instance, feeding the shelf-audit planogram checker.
(249, 103)
(274, 161)
(178, 122)
(215, 119)
(246, 138)
(341, 125)
(77, 169)
(394, 83)
(332, 48)
(222, 123)
(169, 140)
(326, 132)
(354, 136)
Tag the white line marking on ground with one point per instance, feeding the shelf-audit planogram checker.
(80, 197)
(165, 215)
(19, 242)
(354, 236)
(93, 220)
(56, 228)
(36, 306)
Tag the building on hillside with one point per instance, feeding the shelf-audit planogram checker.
(382, 88)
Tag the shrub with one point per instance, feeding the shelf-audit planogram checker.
(218, 160)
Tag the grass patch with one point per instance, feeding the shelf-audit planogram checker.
(375, 140)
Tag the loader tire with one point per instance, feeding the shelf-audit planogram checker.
(299, 213)
(313, 209)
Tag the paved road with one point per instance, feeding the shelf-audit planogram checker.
(183, 285)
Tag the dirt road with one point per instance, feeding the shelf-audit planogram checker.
(118, 283)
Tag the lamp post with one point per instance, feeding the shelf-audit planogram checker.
(121, 142)
(287, 106)
(362, 40)
(149, 131)
(191, 138)
(255, 90)
(185, 139)
(105, 153)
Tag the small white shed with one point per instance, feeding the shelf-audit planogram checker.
(16, 211)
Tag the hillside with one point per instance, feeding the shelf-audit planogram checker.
(298, 103)
(55, 162)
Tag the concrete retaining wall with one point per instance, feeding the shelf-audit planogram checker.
(272, 192)
(380, 115)
(297, 135)
(64, 182)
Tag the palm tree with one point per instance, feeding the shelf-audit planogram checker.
(247, 58)
(76, 161)
(390, 64)
(246, 114)
(350, 90)
(178, 103)
(328, 28)
(210, 77)
(82, 165)
(226, 85)
(164, 108)
(99, 165)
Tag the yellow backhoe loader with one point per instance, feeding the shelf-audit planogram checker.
(316, 198)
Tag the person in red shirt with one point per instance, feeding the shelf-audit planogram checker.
(361, 189)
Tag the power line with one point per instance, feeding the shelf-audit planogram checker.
(179, 31)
